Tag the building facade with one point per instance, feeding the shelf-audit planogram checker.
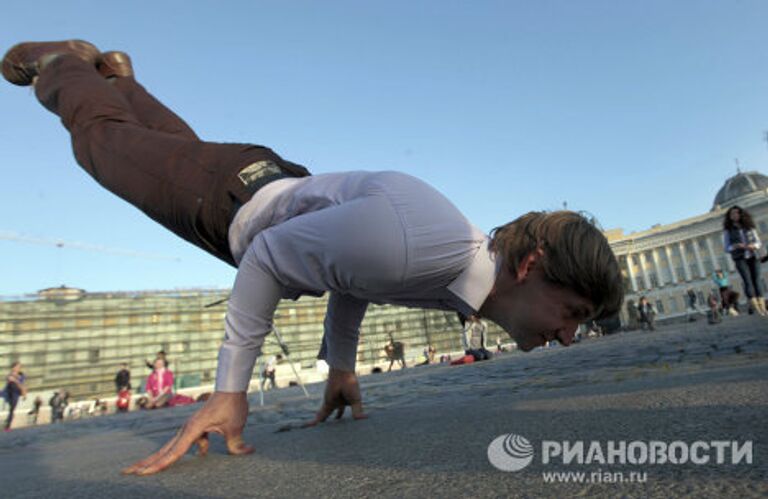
(665, 261)
(70, 339)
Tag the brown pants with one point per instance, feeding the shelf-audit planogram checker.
(141, 151)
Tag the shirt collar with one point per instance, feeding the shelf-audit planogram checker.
(475, 282)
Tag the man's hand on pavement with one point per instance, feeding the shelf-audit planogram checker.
(224, 413)
(341, 390)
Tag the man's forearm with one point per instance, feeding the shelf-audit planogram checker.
(251, 307)
(342, 331)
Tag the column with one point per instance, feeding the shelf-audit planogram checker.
(686, 269)
(671, 263)
(711, 251)
(657, 266)
(631, 271)
(699, 261)
(644, 269)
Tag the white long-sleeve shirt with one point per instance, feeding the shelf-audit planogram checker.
(381, 237)
(748, 236)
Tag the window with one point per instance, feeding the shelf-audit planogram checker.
(708, 267)
(672, 304)
(654, 280)
(38, 358)
(93, 355)
(694, 270)
(680, 273)
(659, 306)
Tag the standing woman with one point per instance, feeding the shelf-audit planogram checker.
(742, 243)
(14, 389)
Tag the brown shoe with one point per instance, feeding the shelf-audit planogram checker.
(25, 61)
(114, 64)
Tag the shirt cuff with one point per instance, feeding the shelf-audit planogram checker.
(235, 368)
(344, 360)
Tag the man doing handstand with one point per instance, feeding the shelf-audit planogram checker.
(364, 237)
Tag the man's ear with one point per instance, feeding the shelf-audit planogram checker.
(529, 262)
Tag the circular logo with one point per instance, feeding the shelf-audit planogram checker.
(510, 452)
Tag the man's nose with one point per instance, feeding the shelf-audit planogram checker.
(566, 334)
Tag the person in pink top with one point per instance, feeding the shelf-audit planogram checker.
(159, 385)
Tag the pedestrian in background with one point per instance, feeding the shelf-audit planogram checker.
(14, 389)
(742, 242)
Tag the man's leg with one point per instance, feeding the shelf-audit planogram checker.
(118, 69)
(190, 187)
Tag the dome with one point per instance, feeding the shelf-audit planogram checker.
(738, 186)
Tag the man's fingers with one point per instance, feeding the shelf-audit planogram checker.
(357, 410)
(168, 458)
(148, 460)
(236, 445)
(320, 416)
(323, 413)
(202, 445)
(174, 452)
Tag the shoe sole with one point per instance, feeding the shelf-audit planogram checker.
(23, 73)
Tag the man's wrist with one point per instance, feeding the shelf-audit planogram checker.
(235, 369)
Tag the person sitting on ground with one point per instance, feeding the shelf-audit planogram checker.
(371, 237)
(123, 402)
(728, 298)
(35, 411)
(500, 348)
(424, 357)
(159, 355)
(647, 314)
(159, 385)
(474, 338)
(596, 329)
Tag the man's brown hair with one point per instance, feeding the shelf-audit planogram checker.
(576, 255)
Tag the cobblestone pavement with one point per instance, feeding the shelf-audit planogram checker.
(431, 426)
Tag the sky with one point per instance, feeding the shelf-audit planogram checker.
(632, 111)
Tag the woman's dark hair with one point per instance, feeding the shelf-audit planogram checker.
(745, 219)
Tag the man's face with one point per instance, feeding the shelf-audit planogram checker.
(534, 311)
